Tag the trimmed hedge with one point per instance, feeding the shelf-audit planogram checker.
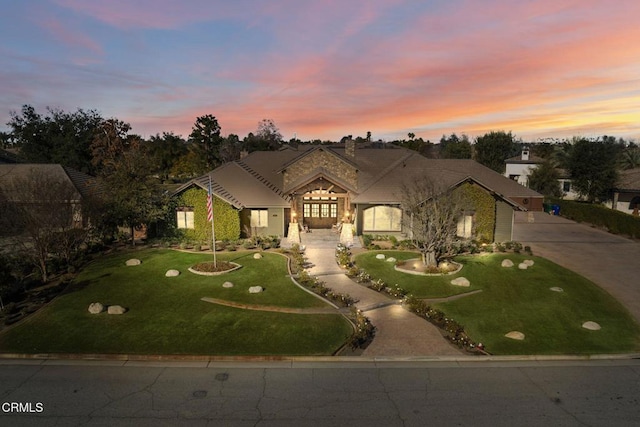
(613, 221)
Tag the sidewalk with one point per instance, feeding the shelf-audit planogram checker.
(399, 333)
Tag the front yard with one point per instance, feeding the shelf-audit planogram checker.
(520, 300)
(166, 315)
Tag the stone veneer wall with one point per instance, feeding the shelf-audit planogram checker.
(328, 161)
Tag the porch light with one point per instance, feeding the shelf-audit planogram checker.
(294, 215)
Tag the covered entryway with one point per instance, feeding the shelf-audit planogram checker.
(321, 204)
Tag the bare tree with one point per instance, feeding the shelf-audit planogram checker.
(41, 213)
(431, 216)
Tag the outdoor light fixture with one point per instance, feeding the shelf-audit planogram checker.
(294, 215)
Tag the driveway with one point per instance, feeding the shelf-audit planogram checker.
(608, 260)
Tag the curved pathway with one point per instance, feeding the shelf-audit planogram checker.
(399, 333)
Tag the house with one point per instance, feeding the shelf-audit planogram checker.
(519, 168)
(321, 186)
(46, 190)
(626, 194)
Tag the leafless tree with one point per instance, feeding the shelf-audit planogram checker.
(431, 216)
(42, 216)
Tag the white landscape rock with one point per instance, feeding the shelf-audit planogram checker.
(255, 289)
(380, 256)
(461, 281)
(257, 256)
(592, 326)
(507, 263)
(116, 309)
(523, 266)
(227, 285)
(133, 261)
(172, 273)
(515, 335)
(529, 262)
(96, 308)
(391, 259)
(557, 289)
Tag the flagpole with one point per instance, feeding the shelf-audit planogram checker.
(213, 233)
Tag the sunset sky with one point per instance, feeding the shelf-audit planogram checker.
(325, 69)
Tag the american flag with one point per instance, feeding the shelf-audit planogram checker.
(209, 203)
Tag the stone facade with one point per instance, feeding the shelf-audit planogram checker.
(321, 159)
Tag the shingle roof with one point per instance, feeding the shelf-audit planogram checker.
(84, 184)
(629, 180)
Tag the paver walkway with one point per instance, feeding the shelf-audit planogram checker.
(399, 333)
(608, 260)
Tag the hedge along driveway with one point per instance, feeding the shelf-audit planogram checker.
(514, 299)
(166, 315)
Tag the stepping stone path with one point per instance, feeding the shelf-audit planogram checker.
(391, 259)
(227, 285)
(556, 289)
(461, 281)
(515, 335)
(255, 289)
(507, 263)
(592, 326)
(96, 308)
(133, 261)
(380, 256)
(116, 309)
(172, 273)
(257, 256)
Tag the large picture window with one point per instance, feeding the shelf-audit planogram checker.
(259, 218)
(382, 218)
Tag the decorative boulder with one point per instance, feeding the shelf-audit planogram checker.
(592, 326)
(461, 281)
(227, 285)
(529, 262)
(557, 289)
(507, 263)
(257, 256)
(116, 309)
(255, 289)
(96, 308)
(172, 273)
(391, 259)
(523, 266)
(380, 256)
(133, 261)
(515, 335)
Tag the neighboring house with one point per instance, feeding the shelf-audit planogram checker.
(7, 156)
(519, 168)
(35, 185)
(322, 186)
(626, 195)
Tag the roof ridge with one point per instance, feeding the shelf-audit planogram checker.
(388, 169)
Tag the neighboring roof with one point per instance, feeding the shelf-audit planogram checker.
(629, 180)
(8, 157)
(258, 179)
(84, 184)
(533, 160)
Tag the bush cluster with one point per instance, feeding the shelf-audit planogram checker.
(613, 221)
(361, 276)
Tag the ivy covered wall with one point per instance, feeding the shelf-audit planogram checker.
(226, 219)
(476, 198)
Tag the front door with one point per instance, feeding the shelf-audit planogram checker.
(320, 214)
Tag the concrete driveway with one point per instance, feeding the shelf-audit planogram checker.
(610, 261)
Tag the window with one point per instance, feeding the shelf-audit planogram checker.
(315, 210)
(306, 210)
(259, 218)
(382, 218)
(324, 210)
(184, 218)
(566, 186)
(465, 226)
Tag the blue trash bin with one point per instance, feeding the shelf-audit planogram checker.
(556, 209)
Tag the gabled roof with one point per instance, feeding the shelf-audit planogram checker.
(84, 184)
(629, 180)
(532, 160)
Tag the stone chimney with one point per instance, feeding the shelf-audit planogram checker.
(350, 148)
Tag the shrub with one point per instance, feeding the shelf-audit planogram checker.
(365, 331)
(614, 221)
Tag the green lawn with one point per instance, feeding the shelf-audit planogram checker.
(166, 315)
(520, 300)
